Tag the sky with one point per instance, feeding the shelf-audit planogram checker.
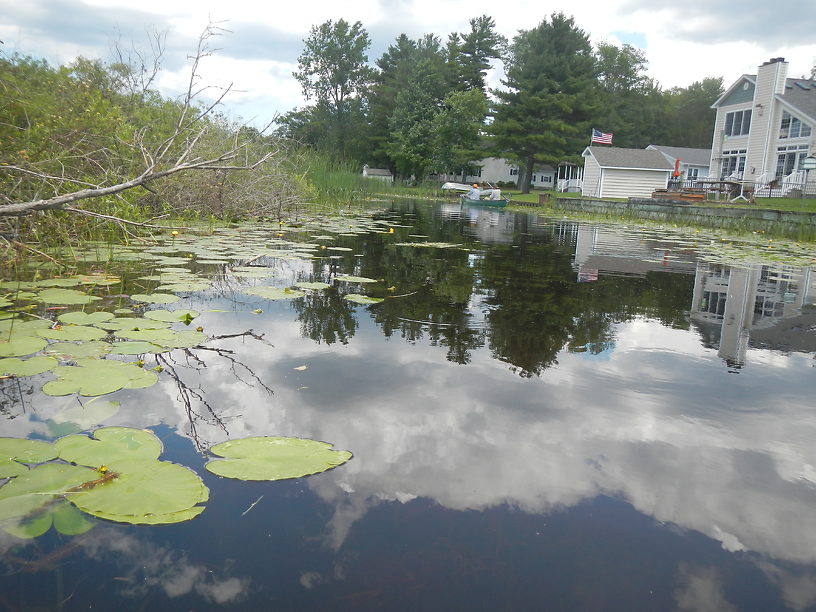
(258, 49)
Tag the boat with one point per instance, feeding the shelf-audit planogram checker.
(492, 203)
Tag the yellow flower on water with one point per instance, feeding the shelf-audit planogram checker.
(102, 469)
(390, 230)
(174, 233)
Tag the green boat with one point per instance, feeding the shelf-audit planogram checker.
(492, 203)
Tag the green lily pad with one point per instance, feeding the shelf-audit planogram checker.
(145, 491)
(109, 445)
(137, 347)
(98, 377)
(85, 416)
(182, 314)
(65, 296)
(167, 338)
(305, 285)
(16, 327)
(273, 458)
(273, 293)
(16, 451)
(71, 350)
(19, 346)
(354, 279)
(186, 286)
(84, 318)
(66, 519)
(123, 323)
(71, 333)
(155, 298)
(24, 495)
(362, 299)
(12, 366)
(59, 282)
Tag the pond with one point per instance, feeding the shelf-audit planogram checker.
(543, 414)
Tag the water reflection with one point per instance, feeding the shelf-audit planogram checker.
(546, 374)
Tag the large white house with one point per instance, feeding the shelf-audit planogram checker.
(765, 127)
(497, 169)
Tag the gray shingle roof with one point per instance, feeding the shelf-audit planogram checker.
(695, 157)
(646, 159)
(799, 98)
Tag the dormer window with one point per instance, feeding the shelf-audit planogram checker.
(738, 123)
(792, 127)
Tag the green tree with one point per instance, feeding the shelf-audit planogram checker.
(690, 118)
(458, 129)
(551, 94)
(632, 104)
(475, 51)
(332, 70)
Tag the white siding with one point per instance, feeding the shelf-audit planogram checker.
(619, 183)
(591, 187)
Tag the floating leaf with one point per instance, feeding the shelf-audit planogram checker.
(125, 323)
(98, 377)
(109, 445)
(181, 314)
(19, 346)
(84, 416)
(65, 296)
(84, 318)
(155, 298)
(70, 350)
(167, 338)
(13, 366)
(59, 282)
(70, 333)
(362, 299)
(15, 451)
(186, 286)
(137, 347)
(305, 285)
(273, 458)
(354, 279)
(273, 293)
(144, 491)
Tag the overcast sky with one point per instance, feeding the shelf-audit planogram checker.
(683, 43)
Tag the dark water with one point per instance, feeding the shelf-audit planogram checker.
(557, 416)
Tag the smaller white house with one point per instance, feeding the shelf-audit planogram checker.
(497, 169)
(694, 163)
(611, 172)
(381, 174)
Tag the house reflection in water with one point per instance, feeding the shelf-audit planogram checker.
(733, 308)
(751, 301)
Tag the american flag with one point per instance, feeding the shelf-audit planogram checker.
(602, 137)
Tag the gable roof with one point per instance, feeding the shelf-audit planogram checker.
(751, 78)
(800, 94)
(693, 157)
(637, 159)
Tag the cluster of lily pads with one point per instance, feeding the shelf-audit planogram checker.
(117, 475)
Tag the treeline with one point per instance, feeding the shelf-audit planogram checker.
(97, 138)
(425, 108)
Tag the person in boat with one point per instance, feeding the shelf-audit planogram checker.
(495, 194)
(475, 193)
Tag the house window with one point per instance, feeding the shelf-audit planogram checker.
(738, 123)
(733, 163)
(790, 159)
(514, 171)
(713, 302)
(533, 179)
(546, 179)
(792, 127)
(692, 173)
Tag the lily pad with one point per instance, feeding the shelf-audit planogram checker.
(182, 314)
(84, 416)
(71, 350)
(66, 519)
(354, 279)
(155, 298)
(109, 445)
(362, 299)
(70, 333)
(16, 451)
(13, 366)
(316, 285)
(137, 347)
(123, 323)
(65, 296)
(59, 282)
(19, 346)
(98, 377)
(84, 318)
(274, 458)
(167, 338)
(145, 491)
(273, 293)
